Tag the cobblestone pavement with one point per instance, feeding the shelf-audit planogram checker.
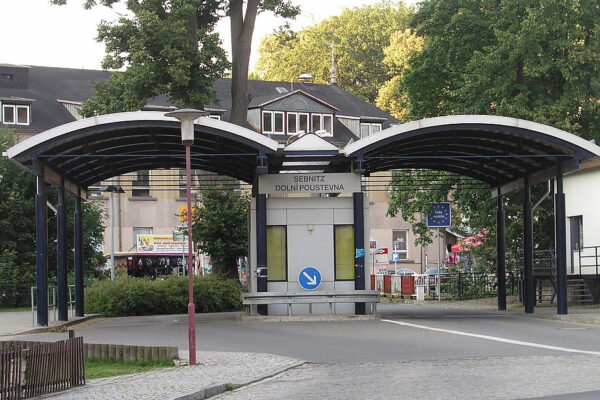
(485, 378)
(213, 368)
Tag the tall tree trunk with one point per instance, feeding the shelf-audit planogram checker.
(193, 36)
(242, 28)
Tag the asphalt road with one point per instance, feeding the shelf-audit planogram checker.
(442, 352)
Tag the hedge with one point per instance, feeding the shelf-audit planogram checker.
(140, 296)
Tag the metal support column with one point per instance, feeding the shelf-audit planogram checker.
(41, 246)
(78, 256)
(261, 249)
(528, 281)
(61, 255)
(359, 244)
(561, 244)
(501, 253)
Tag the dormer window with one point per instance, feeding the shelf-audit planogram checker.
(369, 128)
(273, 122)
(15, 114)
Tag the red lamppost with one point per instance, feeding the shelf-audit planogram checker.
(187, 118)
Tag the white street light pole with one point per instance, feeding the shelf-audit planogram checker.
(187, 118)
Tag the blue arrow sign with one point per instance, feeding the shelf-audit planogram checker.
(309, 278)
(440, 217)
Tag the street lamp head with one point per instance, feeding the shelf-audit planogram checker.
(113, 189)
(187, 116)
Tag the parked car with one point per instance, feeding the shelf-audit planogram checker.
(405, 271)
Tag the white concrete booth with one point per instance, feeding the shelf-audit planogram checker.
(307, 231)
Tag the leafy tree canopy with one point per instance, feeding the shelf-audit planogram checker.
(533, 59)
(17, 231)
(220, 219)
(360, 36)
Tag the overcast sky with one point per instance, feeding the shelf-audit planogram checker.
(37, 33)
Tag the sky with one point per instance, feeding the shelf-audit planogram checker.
(35, 32)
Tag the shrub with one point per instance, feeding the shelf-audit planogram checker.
(141, 296)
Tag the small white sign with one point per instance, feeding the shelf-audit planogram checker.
(309, 183)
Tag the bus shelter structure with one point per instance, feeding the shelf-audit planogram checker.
(505, 153)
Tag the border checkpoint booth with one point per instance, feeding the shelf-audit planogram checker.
(299, 187)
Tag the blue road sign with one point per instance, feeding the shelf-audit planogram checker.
(309, 278)
(440, 217)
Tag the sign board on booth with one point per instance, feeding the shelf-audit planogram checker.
(309, 183)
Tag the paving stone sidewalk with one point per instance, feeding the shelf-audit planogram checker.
(214, 371)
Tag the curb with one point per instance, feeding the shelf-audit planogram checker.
(309, 318)
(64, 324)
(213, 390)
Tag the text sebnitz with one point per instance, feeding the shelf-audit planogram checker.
(309, 178)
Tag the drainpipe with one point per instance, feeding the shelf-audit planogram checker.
(544, 196)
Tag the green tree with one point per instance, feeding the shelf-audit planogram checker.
(17, 232)
(360, 36)
(169, 47)
(532, 59)
(404, 45)
(220, 230)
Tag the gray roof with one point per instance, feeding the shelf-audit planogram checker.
(47, 85)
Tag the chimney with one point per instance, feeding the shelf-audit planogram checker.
(333, 70)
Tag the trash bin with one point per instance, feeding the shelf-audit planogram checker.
(420, 293)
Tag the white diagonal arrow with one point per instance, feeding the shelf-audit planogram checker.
(311, 281)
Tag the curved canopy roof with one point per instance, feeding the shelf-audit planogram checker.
(494, 150)
(94, 149)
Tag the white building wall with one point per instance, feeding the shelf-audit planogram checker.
(582, 197)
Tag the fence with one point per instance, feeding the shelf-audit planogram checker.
(43, 368)
(12, 373)
(52, 301)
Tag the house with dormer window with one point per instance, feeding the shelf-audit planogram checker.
(34, 99)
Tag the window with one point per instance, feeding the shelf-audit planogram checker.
(292, 121)
(316, 122)
(369, 128)
(399, 239)
(344, 252)
(8, 114)
(278, 116)
(302, 122)
(12, 114)
(576, 232)
(322, 122)
(141, 184)
(183, 183)
(7, 77)
(276, 253)
(267, 122)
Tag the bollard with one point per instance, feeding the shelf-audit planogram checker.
(71, 333)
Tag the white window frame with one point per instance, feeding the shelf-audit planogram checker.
(262, 121)
(17, 115)
(283, 123)
(307, 115)
(322, 123)
(371, 125)
(14, 110)
(287, 123)
(402, 254)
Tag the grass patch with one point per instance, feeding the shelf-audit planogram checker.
(95, 369)
(4, 309)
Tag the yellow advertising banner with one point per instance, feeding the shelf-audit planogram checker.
(159, 244)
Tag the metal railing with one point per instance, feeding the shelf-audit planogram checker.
(52, 301)
(586, 261)
(289, 298)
